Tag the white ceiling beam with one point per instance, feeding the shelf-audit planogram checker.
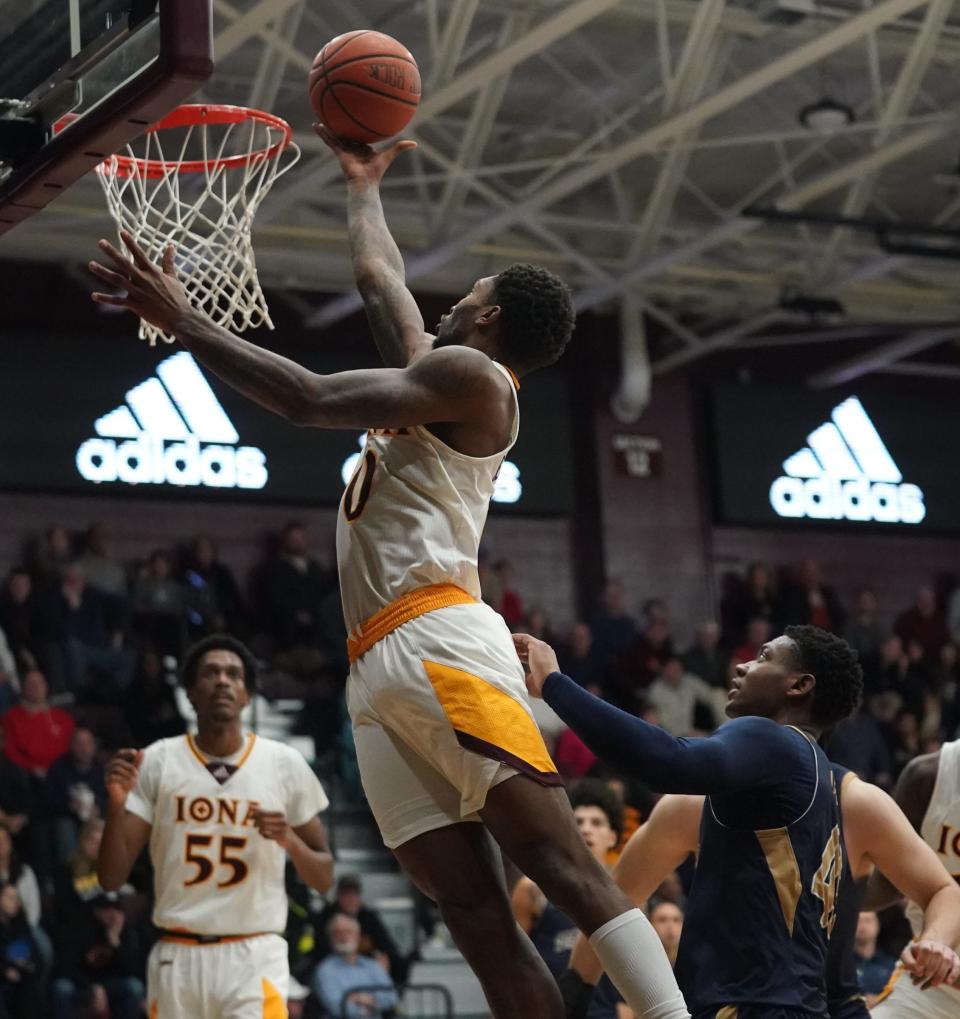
(453, 41)
(483, 118)
(273, 62)
(548, 32)
(883, 356)
(726, 338)
(922, 370)
(668, 128)
(737, 227)
(244, 26)
(898, 106)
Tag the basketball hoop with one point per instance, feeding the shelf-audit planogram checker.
(202, 199)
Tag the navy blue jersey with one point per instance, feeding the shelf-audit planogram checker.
(763, 901)
(844, 997)
(554, 936)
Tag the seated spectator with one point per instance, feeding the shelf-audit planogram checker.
(923, 623)
(753, 598)
(214, 602)
(858, 744)
(99, 568)
(904, 741)
(670, 889)
(511, 604)
(295, 588)
(86, 634)
(705, 658)
(36, 734)
(21, 990)
(159, 605)
(537, 624)
(578, 659)
(758, 633)
(375, 939)
(613, 628)
(75, 791)
(14, 871)
(864, 632)
(809, 601)
(684, 701)
(15, 793)
(9, 684)
(19, 617)
(573, 758)
(347, 983)
(639, 664)
(666, 918)
(99, 963)
(75, 882)
(873, 966)
(150, 707)
(51, 554)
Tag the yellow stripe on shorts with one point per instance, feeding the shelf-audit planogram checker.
(490, 722)
(274, 1007)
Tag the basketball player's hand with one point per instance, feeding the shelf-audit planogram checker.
(121, 775)
(931, 963)
(153, 292)
(362, 164)
(538, 660)
(273, 825)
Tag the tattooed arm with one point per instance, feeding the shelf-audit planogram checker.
(459, 386)
(393, 315)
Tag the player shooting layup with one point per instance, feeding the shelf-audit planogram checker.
(221, 812)
(444, 734)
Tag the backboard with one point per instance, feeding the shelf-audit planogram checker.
(81, 78)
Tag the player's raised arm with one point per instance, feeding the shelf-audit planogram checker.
(449, 385)
(124, 833)
(393, 314)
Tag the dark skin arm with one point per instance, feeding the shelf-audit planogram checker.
(912, 795)
(124, 833)
(394, 317)
(456, 387)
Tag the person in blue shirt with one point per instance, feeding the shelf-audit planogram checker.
(350, 985)
(763, 903)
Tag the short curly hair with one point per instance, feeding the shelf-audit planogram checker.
(592, 792)
(835, 666)
(536, 316)
(218, 642)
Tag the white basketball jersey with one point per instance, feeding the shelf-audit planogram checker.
(411, 516)
(941, 822)
(213, 871)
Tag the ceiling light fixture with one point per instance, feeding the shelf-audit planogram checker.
(826, 116)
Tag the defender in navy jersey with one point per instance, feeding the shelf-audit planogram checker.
(763, 903)
(877, 838)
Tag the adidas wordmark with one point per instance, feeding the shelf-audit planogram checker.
(171, 430)
(846, 473)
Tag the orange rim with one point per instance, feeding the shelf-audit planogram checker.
(196, 115)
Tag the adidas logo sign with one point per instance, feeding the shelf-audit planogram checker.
(171, 430)
(846, 473)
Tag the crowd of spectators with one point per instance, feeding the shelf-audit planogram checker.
(88, 650)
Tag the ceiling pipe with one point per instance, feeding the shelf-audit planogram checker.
(633, 393)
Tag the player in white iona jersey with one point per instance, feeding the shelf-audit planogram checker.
(928, 791)
(444, 734)
(221, 811)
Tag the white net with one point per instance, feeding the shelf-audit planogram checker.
(202, 198)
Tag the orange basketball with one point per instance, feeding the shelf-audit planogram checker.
(365, 86)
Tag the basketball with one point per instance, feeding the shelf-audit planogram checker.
(365, 86)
